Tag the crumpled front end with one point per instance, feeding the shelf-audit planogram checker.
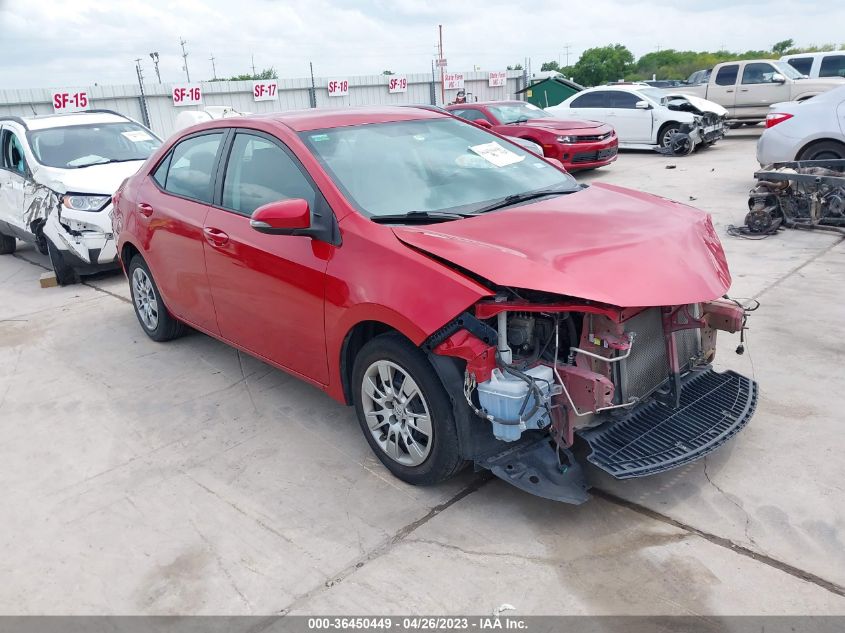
(85, 237)
(635, 386)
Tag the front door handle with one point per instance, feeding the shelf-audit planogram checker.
(145, 209)
(728, 90)
(215, 237)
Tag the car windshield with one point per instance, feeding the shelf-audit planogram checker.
(76, 146)
(655, 94)
(429, 166)
(513, 112)
(787, 70)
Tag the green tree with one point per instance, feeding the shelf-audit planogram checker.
(267, 73)
(780, 48)
(600, 65)
(552, 65)
(387, 72)
(515, 67)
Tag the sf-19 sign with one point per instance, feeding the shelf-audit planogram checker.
(453, 81)
(397, 84)
(187, 95)
(338, 87)
(70, 101)
(264, 90)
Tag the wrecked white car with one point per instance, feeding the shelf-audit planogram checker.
(57, 176)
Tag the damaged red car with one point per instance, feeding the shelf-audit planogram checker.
(471, 300)
(578, 144)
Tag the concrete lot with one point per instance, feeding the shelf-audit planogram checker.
(185, 478)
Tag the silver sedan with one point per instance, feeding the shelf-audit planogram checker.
(807, 130)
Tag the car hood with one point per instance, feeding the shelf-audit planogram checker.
(563, 124)
(603, 243)
(103, 179)
(703, 105)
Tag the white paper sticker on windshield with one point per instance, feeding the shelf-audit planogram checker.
(137, 136)
(496, 154)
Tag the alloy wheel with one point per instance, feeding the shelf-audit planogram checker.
(145, 299)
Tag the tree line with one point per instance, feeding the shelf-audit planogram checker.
(613, 62)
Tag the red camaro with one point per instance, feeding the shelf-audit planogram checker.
(471, 300)
(577, 144)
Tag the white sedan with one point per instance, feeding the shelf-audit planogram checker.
(805, 130)
(645, 117)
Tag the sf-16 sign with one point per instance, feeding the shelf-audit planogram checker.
(338, 87)
(453, 81)
(397, 84)
(265, 90)
(64, 101)
(187, 95)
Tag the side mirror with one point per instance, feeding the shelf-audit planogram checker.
(483, 123)
(642, 105)
(777, 78)
(284, 217)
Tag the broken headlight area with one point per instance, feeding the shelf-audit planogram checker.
(635, 385)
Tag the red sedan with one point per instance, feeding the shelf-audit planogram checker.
(575, 143)
(469, 299)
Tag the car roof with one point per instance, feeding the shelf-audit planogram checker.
(622, 87)
(814, 55)
(322, 118)
(45, 121)
(457, 106)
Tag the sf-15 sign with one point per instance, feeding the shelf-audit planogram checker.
(338, 87)
(264, 90)
(397, 84)
(453, 81)
(64, 101)
(187, 95)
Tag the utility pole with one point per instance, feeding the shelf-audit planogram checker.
(442, 78)
(313, 92)
(154, 57)
(143, 98)
(185, 58)
(252, 57)
(213, 68)
(566, 47)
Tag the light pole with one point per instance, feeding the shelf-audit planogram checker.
(154, 57)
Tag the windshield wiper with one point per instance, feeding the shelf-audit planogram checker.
(523, 197)
(522, 119)
(422, 217)
(106, 162)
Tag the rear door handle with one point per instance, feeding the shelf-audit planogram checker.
(215, 237)
(145, 209)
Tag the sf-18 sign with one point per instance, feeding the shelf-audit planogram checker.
(264, 90)
(497, 79)
(70, 101)
(397, 84)
(338, 87)
(453, 81)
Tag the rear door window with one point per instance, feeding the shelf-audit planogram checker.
(801, 64)
(832, 66)
(190, 167)
(727, 75)
(597, 99)
(258, 172)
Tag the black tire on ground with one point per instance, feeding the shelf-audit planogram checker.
(65, 274)
(663, 133)
(166, 326)
(7, 244)
(823, 150)
(443, 460)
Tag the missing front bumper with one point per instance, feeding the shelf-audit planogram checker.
(655, 437)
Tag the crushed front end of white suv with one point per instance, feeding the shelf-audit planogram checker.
(56, 184)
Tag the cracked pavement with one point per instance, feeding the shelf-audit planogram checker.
(186, 478)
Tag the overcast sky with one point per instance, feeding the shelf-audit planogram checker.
(67, 43)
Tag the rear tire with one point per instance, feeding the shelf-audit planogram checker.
(65, 274)
(8, 244)
(823, 150)
(404, 412)
(155, 319)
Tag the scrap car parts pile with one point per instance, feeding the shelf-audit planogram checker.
(802, 194)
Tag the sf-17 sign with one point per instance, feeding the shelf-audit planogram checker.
(265, 90)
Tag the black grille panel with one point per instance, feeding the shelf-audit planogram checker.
(591, 157)
(655, 437)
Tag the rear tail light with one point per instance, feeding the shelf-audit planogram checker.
(777, 117)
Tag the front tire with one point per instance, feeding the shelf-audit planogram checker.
(8, 244)
(65, 274)
(823, 150)
(152, 314)
(664, 136)
(404, 412)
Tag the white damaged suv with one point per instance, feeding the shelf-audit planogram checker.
(57, 176)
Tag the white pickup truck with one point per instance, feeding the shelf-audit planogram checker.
(747, 88)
